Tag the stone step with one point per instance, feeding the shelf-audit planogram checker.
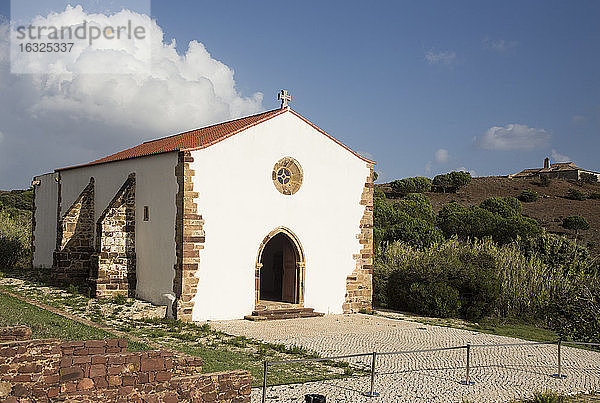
(273, 311)
(277, 314)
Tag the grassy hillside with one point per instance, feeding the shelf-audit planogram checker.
(549, 210)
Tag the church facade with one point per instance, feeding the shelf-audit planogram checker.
(216, 222)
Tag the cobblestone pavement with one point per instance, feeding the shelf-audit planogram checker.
(500, 373)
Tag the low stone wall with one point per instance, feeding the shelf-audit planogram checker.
(96, 370)
(15, 333)
(93, 372)
(30, 369)
(93, 347)
(228, 387)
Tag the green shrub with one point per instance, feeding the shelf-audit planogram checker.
(449, 279)
(17, 199)
(504, 206)
(15, 241)
(528, 196)
(575, 223)
(451, 181)
(460, 178)
(442, 182)
(576, 314)
(595, 196)
(575, 194)
(520, 280)
(498, 218)
(555, 250)
(588, 178)
(411, 185)
(410, 219)
(436, 299)
(548, 397)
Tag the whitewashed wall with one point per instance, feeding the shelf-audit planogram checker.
(156, 187)
(241, 206)
(45, 220)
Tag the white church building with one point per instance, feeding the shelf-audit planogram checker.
(262, 217)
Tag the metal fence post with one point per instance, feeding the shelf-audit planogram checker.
(467, 381)
(559, 374)
(371, 393)
(264, 391)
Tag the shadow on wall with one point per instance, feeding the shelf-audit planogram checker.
(109, 264)
(75, 237)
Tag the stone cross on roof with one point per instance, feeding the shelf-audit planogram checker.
(284, 97)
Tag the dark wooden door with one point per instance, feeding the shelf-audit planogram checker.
(289, 274)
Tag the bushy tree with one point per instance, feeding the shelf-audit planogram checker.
(504, 206)
(576, 315)
(575, 194)
(442, 182)
(528, 196)
(498, 218)
(460, 178)
(417, 184)
(451, 181)
(575, 223)
(446, 280)
(410, 219)
(555, 250)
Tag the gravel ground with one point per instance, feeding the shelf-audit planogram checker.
(500, 373)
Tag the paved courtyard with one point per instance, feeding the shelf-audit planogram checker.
(500, 373)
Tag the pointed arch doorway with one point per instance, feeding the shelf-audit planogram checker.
(279, 276)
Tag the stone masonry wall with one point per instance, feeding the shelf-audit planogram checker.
(75, 239)
(114, 263)
(189, 238)
(226, 387)
(30, 369)
(359, 285)
(101, 370)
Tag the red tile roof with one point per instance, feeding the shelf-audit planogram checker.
(200, 138)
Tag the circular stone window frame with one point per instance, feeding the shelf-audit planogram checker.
(296, 176)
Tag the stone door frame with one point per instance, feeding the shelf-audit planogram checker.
(300, 263)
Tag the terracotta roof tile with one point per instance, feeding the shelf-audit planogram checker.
(201, 138)
(193, 139)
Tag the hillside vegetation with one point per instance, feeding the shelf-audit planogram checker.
(15, 228)
(551, 207)
(490, 248)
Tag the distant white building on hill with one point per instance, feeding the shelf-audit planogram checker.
(558, 170)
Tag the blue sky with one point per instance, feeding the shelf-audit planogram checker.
(414, 83)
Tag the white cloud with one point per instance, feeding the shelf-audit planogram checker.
(443, 57)
(442, 156)
(578, 119)
(557, 157)
(70, 116)
(513, 137)
(499, 45)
